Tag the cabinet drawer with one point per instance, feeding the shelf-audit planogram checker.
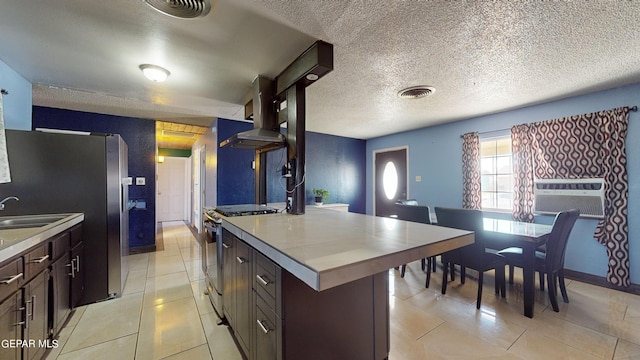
(266, 335)
(60, 245)
(36, 260)
(265, 285)
(76, 235)
(265, 314)
(11, 277)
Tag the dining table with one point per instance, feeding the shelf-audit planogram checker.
(501, 233)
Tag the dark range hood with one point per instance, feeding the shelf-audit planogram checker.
(264, 136)
(257, 139)
(287, 94)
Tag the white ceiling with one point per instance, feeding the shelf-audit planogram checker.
(481, 56)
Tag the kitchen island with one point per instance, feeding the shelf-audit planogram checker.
(315, 286)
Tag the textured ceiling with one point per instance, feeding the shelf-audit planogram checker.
(482, 57)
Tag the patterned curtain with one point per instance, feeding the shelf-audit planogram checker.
(471, 196)
(581, 146)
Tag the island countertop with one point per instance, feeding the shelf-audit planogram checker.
(326, 248)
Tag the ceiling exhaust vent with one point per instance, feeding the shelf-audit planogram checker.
(416, 92)
(184, 9)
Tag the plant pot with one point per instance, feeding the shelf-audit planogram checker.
(318, 200)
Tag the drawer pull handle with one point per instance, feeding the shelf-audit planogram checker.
(241, 260)
(39, 260)
(262, 280)
(263, 327)
(11, 279)
(73, 269)
(226, 246)
(77, 263)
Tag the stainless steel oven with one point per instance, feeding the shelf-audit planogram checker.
(212, 259)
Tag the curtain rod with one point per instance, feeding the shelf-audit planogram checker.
(632, 108)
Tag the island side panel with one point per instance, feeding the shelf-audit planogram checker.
(350, 321)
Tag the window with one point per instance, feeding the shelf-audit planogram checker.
(496, 173)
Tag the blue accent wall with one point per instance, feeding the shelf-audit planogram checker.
(235, 176)
(334, 163)
(435, 154)
(16, 106)
(139, 134)
(337, 164)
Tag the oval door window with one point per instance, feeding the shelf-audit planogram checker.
(390, 180)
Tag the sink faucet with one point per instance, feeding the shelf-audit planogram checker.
(6, 199)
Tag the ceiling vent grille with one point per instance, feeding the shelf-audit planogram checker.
(184, 9)
(416, 92)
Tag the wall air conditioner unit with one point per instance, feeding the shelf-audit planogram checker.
(554, 195)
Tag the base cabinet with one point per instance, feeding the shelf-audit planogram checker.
(36, 296)
(36, 316)
(60, 285)
(289, 320)
(10, 325)
(76, 272)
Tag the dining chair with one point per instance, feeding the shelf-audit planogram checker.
(415, 213)
(474, 256)
(550, 261)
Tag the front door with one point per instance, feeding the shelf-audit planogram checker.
(390, 179)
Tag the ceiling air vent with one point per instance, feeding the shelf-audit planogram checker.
(416, 92)
(184, 9)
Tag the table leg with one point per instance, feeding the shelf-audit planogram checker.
(528, 269)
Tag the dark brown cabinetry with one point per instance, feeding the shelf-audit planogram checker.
(267, 281)
(277, 316)
(35, 317)
(11, 276)
(36, 295)
(243, 316)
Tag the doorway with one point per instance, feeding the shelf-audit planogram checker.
(389, 180)
(172, 189)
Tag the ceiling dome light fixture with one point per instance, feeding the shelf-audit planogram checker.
(416, 92)
(154, 72)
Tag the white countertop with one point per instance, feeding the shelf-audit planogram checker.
(325, 248)
(15, 241)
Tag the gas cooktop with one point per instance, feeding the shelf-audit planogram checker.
(244, 209)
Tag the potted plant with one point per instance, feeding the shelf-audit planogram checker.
(321, 195)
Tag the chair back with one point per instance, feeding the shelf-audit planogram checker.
(415, 213)
(558, 238)
(465, 219)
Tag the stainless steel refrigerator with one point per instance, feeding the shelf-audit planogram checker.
(59, 173)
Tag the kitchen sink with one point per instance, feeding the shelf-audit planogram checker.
(28, 221)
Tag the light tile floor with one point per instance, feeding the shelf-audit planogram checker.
(163, 314)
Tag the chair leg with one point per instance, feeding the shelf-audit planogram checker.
(541, 275)
(563, 287)
(445, 270)
(426, 284)
(422, 263)
(403, 268)
(510, 274)
(463, 274)
(500, 285)
(452, 268)
(433, 263)
(480, 280)
(551, 288)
